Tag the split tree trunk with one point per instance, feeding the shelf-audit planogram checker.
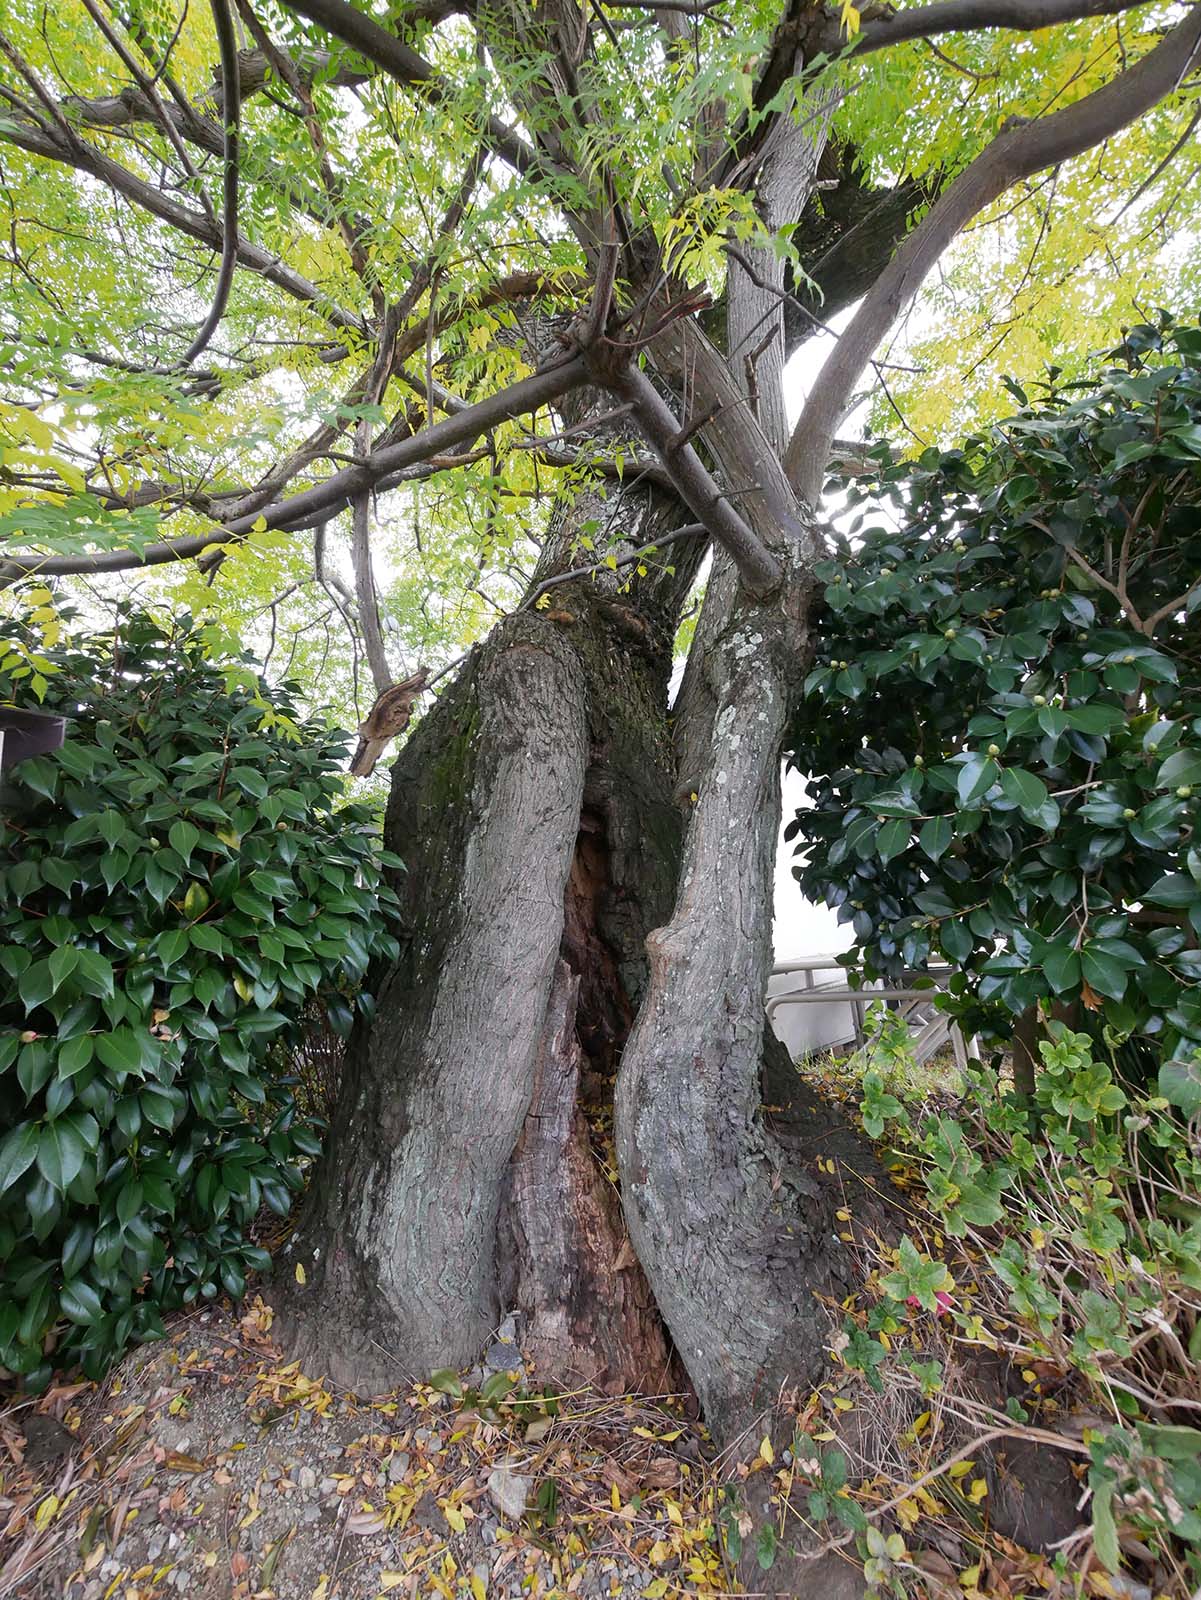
(544, 812)
(466, 1172)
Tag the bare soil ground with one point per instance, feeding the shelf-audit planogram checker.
(207, 1466)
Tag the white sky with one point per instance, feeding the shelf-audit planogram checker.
(802, 928)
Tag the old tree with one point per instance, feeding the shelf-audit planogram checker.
(320, 312)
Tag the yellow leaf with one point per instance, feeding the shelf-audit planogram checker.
(977, 1491)
(674, 1514)
(841, 1403)
(766, 1453)
(850, 18)
(299, 1273)
(961, 1469)
(455, 1518)
(543, 601)
(389, 1579)
(1037, 1238)
(614, 1498)
(479, 1588)
(46, 1512)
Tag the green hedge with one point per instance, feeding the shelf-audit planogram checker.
(1003, 717)
(175, 884)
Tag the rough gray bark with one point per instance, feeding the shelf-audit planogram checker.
(734, 1232)
(398, 1244)
(724, 1226)
(533, 807)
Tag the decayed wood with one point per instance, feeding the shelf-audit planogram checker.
(387, 720)
(588, 1315)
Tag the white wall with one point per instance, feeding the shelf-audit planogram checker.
(800, 927)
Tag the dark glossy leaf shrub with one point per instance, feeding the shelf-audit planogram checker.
(1004, 721)
(177, 884)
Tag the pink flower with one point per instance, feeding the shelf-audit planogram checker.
(943, 1302)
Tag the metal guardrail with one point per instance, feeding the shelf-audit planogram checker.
(933, 1031)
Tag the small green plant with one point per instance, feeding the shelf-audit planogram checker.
(177, 883)
(1082, 1227)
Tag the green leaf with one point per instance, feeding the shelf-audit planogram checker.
(18, 1149)
(976, 777)
(36, 985)
(1102, 972)
(892, 839)
(171, 946)
(161, 1106)
(1097, 718)
(206, 937)
(766, 1545)
(80, 1303)
(496, 1386)
(1061, 964)
(34, 1067)
(1180, 1083)
(1173, 889)
(956, 940)
(183, 837)
(74, 1055)
(1105, 1532)
(834, 1469)
(161, 880)
(1023, 788)
(935, 837)
(1183, 767)
(94, 974)
(61, 1152)
(62, 964)
(121, 1051)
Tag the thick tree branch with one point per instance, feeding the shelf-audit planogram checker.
(367, 600)
(407, 66)
(1018, 151)
(86, 158)
(196, 124)
(758, 568)
(353, 228)
(845, 245)
(970, 16)
(151, 102)
(336, 492)
(818, 33)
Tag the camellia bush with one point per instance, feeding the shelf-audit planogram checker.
(1003, 718)
(177, 883)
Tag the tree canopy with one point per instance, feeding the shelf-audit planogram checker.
(392, 221)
